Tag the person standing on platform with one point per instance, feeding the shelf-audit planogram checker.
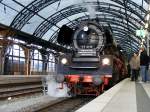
(129, 69)
(144, 64)
(135, 65)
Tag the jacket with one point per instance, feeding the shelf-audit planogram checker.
(135, 63)
(144, 59)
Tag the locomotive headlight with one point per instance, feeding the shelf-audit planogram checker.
(106, 61)
(64, 61)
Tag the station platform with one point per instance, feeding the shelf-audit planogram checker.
(126, 96)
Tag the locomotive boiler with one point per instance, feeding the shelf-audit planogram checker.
(94, 63)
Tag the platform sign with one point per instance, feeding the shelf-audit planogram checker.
(141, 33)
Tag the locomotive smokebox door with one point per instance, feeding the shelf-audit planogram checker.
(89, 36)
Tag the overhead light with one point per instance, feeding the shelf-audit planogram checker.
(149, 8)
(85, 28)
(143, 40)
(147, 17)
(141, 45)
(146, 25)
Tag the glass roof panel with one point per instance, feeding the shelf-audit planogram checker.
(12, 4)
(48, 34)
(139, 2)
(109, 1)
(54, 28)
(6, 15)
(49, 10)
(66, 3)
(9, 9)
(62, 22)
(24, 2)
(10, 14)
(75, 16)
(32, 24)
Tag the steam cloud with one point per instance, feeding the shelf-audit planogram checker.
(53, 88)
(91, 10)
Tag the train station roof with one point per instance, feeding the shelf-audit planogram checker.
(43, 18)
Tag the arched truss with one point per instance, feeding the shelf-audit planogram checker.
(108, 19)
(121, 36)
(105, 8)
(128, 48)
(129, 13)
(125, 42)
(37, 5)
(147, 1)
(130, 33)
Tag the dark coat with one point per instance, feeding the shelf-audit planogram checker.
(144, 59)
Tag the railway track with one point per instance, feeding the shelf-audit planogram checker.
(68, 105)
(19, 87)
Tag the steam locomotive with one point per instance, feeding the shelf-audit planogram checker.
(95, 62)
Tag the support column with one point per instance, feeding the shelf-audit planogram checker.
(3, 50)
(27, 61)
(1, 62)
(45, 62)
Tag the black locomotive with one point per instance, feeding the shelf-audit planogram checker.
(95, 62)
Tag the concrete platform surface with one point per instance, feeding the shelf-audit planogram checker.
(126, 96)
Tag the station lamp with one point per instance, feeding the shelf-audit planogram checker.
(149, 8)
(143, 40)
(148, 17)
(85, 28)
(146, 25)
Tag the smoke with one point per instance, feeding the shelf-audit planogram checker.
(91, 10)
(54, 88)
